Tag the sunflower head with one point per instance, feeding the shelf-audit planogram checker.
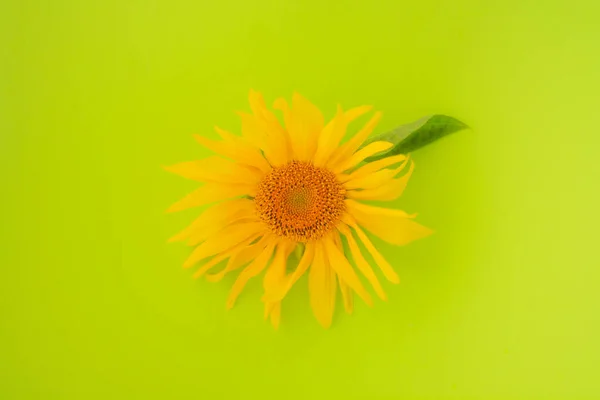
(280, 187)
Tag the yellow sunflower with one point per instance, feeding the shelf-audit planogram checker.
(294, 189)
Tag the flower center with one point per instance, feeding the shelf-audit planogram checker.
(300, 201)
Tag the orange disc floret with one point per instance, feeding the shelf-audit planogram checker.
(300, 201)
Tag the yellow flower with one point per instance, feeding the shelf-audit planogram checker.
(280, 189)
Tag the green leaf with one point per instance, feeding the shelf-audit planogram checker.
(410, 137)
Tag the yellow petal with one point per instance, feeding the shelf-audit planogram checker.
(312, 124)
(268, 309)
(260, 110)
(305, 262)
(393, 226)
(257, 103)
(360, 261)
(204, 234)
(337, 241)
(375, 180)
(346, 295)
(236, 150)
(322, 287)
(381, 262)
(290, 124)
(216, 169)
(361, 211)
(387, 192)
(334, 131)
(276, 315)
(251, 130)
(206, 231)
(230, 253)
(368, 151)
(273, 310)
(271, 142)
(372, 180)
(342, 267)
(210, 193)
(329, 138)
(225, 239)
(277, 146)
(216, 216)
(356, 112)
(240, 259)
(274, 277)
(355, 141)
(255, 268)
(374, 166)
(282, 105)
(304, 125)
(249, 152)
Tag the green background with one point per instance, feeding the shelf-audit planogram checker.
(502, 302)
